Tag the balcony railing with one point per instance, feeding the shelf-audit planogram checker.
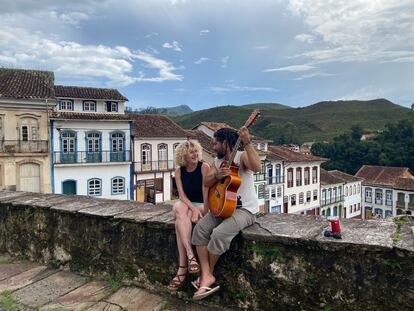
(154, 166)
(401, 204)
(24, 146)
(275, 180)
(332, 201)
(91, 157)
(259, 177)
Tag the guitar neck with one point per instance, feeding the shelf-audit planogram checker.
(234, 152)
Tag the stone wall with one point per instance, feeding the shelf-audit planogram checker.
(281, 263)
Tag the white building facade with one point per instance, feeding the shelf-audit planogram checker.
(386, 191)
(91, 143)
(274, 184)
(155, 138)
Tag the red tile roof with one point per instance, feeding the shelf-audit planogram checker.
(345, 177)
(152, 125)
(404, 184)
(88, 93)
(293, 156)
(383, 175)
(21, 83)
(328, 179)
(214, 126)
(88, 116)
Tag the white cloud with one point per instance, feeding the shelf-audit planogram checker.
(303, 37)
(173, 2)
(204, 32)
(201, 60)
(174, 45)
(224, 61)
(238, 88)
(294, 68)
(312, 75)
(366, 93)
(357, 30)
(152, 34)
(20, 48)
(261, 47)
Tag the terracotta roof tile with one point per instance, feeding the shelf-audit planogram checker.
(205, 141)
(88, 116)
(328, 179)
(214, 126)
(88, 93)
(293, 156)
(151, 125)
(345, 177)
(20, 83)
(383, 175)
(404, 184)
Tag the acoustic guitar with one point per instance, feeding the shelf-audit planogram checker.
(222, 196)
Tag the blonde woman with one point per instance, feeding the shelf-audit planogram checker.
(191, 207)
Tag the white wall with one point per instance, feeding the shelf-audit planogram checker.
(304, 188)
(353, 199)
(272, 196)
(100, 105)
(154, 142)
(104, 171)
(374, 205)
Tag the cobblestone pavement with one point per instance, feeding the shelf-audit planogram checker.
(29, 286)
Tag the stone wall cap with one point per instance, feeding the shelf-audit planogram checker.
(143, 213)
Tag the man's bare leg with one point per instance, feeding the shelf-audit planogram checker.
(207, 262)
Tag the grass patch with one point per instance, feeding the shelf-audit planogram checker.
(270, 252)
(8, 302)
(393, 264)
(115, 282)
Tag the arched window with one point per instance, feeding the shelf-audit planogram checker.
(118, 185)
(307, 175)
(68, 147)
(278, 173)
(290, 178)
(162, 156)
(117, 147)
(328, 212)
(95, 187)
(146, 157)
(315, 175)
(93, 145)
(346, 191)
(298, 176)
(335, 211)
(354, 192)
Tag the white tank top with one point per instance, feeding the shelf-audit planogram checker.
(246, 195)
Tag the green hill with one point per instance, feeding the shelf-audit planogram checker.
(318, 122)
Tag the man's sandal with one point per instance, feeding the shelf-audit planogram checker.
(208, 292)
(178, 280)
(196, 283)
(193, 266)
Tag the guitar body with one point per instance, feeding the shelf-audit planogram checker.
(222, 196)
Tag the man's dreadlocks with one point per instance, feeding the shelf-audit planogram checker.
(227, 134)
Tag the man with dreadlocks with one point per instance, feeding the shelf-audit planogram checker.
(212, 235)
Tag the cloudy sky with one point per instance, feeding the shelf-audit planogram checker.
(207, 53)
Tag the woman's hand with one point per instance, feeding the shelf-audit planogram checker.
(195, 215)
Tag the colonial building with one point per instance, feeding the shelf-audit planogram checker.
(91, 143)
(155, 138)
(352, 194)
(332, 199)
(274, 183)
(26, 97)
(302, 181)
(387, 191)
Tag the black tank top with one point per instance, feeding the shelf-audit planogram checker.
(193, 183)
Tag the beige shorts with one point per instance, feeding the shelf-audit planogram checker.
(217, 233)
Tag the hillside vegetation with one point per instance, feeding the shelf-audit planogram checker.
(319, 122)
